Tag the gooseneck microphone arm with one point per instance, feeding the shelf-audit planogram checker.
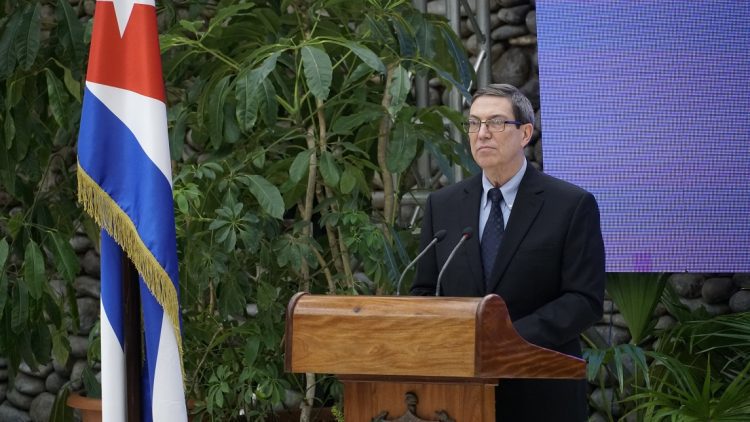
(440, 235)
(465, 235)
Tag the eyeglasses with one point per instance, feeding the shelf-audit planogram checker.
(493, 125)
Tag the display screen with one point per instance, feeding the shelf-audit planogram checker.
(647, 106)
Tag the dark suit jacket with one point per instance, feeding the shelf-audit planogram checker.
(549, 271)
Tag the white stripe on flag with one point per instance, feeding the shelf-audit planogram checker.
(168, 394)
(113, 373)
(146, 117)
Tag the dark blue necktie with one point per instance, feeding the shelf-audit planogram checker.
(493, 233)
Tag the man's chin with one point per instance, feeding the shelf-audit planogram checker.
(485, 162)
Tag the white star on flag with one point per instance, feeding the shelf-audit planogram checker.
(123, 8)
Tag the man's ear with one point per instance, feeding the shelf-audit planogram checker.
(528, 130)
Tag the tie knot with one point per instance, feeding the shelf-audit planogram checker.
(495, 196)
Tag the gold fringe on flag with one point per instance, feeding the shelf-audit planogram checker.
(108, 214)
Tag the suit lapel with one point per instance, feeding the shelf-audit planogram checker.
(526, 207)
(471, 252)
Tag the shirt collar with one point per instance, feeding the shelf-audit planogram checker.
(509, 189)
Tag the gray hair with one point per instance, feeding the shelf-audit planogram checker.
(522, 109)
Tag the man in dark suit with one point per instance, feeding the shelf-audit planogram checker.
(537, 243)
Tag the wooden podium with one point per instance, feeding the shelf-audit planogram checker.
(410, 359)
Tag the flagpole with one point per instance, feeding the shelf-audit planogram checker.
(132, 338)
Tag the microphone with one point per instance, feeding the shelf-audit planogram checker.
(440, 235)
(465, 235)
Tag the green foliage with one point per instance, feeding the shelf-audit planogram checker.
(60, 412)
(39, 111)
(688, 393)
(278, 115)
(636, 296)
(283, 115)
(697, 370)
(700, 371)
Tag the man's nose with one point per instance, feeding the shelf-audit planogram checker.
(483, 130)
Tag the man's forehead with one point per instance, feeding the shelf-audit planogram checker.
(489, 106)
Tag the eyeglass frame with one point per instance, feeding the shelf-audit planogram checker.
(496, 120)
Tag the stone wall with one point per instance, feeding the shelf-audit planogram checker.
(31, 396)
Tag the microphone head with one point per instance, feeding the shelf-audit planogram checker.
(467, 232)
(440, 235)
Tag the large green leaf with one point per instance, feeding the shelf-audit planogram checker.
(402, 148)
(9, 129)
(406, 40)
(227, 11)
(232, 130)
(425, 35)
(443, 162)
(251, 90)
(367, 56)
(231, 297)
(70, 32)
(178, 118)
(216, 111)
(300, 165)
(348, 180)
(360, 71)
(19, 314)
(269, 105)
(457, 56)
(60, 410)
(376, 29)
(60, 345)
(250, 353)
(267, 194)
(28, 37)
(3, 252)
(8, 46)
(346, 124)
(71, 84)
(3, 290)
(41, 343)
(400, 86)
(34, 269)
(65, 257)
(7, 170)
(594, 360)
(53, 310)
(328, 169)
(390, 261)
(57, 98)
(318, 71)
(445, 75)
(16, 88)
(636, 296)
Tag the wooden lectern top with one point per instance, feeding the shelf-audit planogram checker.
(415, 336)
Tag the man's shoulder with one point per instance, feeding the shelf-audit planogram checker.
(553, 184)
(452, 191)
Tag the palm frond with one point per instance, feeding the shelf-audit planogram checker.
(636, 295)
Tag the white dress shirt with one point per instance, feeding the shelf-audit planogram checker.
(509, 191)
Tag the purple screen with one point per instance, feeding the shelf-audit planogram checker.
(647, 106)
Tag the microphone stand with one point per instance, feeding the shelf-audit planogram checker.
(465, 235)
(440, 235)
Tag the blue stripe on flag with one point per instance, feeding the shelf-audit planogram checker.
(113, 158)
(111, 288)
(153, 316)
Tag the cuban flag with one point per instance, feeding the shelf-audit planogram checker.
(125, 184)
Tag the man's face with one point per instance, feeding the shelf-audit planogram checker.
(494, 151)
